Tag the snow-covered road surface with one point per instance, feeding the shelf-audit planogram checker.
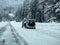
(9, 36)
(12, 33)
(44, 34)
(2, 24)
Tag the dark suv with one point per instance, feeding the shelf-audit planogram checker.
(29, 24)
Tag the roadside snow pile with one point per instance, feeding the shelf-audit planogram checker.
(2, 24)
(48, 26)
(44, 34)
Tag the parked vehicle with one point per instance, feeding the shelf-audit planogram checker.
(29, 24)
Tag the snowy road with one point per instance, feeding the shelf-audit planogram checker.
(12, 33)
(9, 36)
(44, 34)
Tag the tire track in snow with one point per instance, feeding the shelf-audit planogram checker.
(2, 30)
(19, 40)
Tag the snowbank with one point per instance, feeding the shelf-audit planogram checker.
(3, 24)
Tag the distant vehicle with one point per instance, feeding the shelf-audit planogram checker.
(29, 24)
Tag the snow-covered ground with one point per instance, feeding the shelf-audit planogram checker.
(3, 24)
(44, 34)
(9, 36)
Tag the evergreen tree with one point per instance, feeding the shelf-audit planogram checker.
(34, 7)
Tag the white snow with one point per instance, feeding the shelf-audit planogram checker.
(10, 14)
(57, 10)
(8, 36)
(44, 34)
(2, 24)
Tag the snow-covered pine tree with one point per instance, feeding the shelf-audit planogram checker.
(34, 8)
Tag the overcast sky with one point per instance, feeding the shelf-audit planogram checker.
(11, 2)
